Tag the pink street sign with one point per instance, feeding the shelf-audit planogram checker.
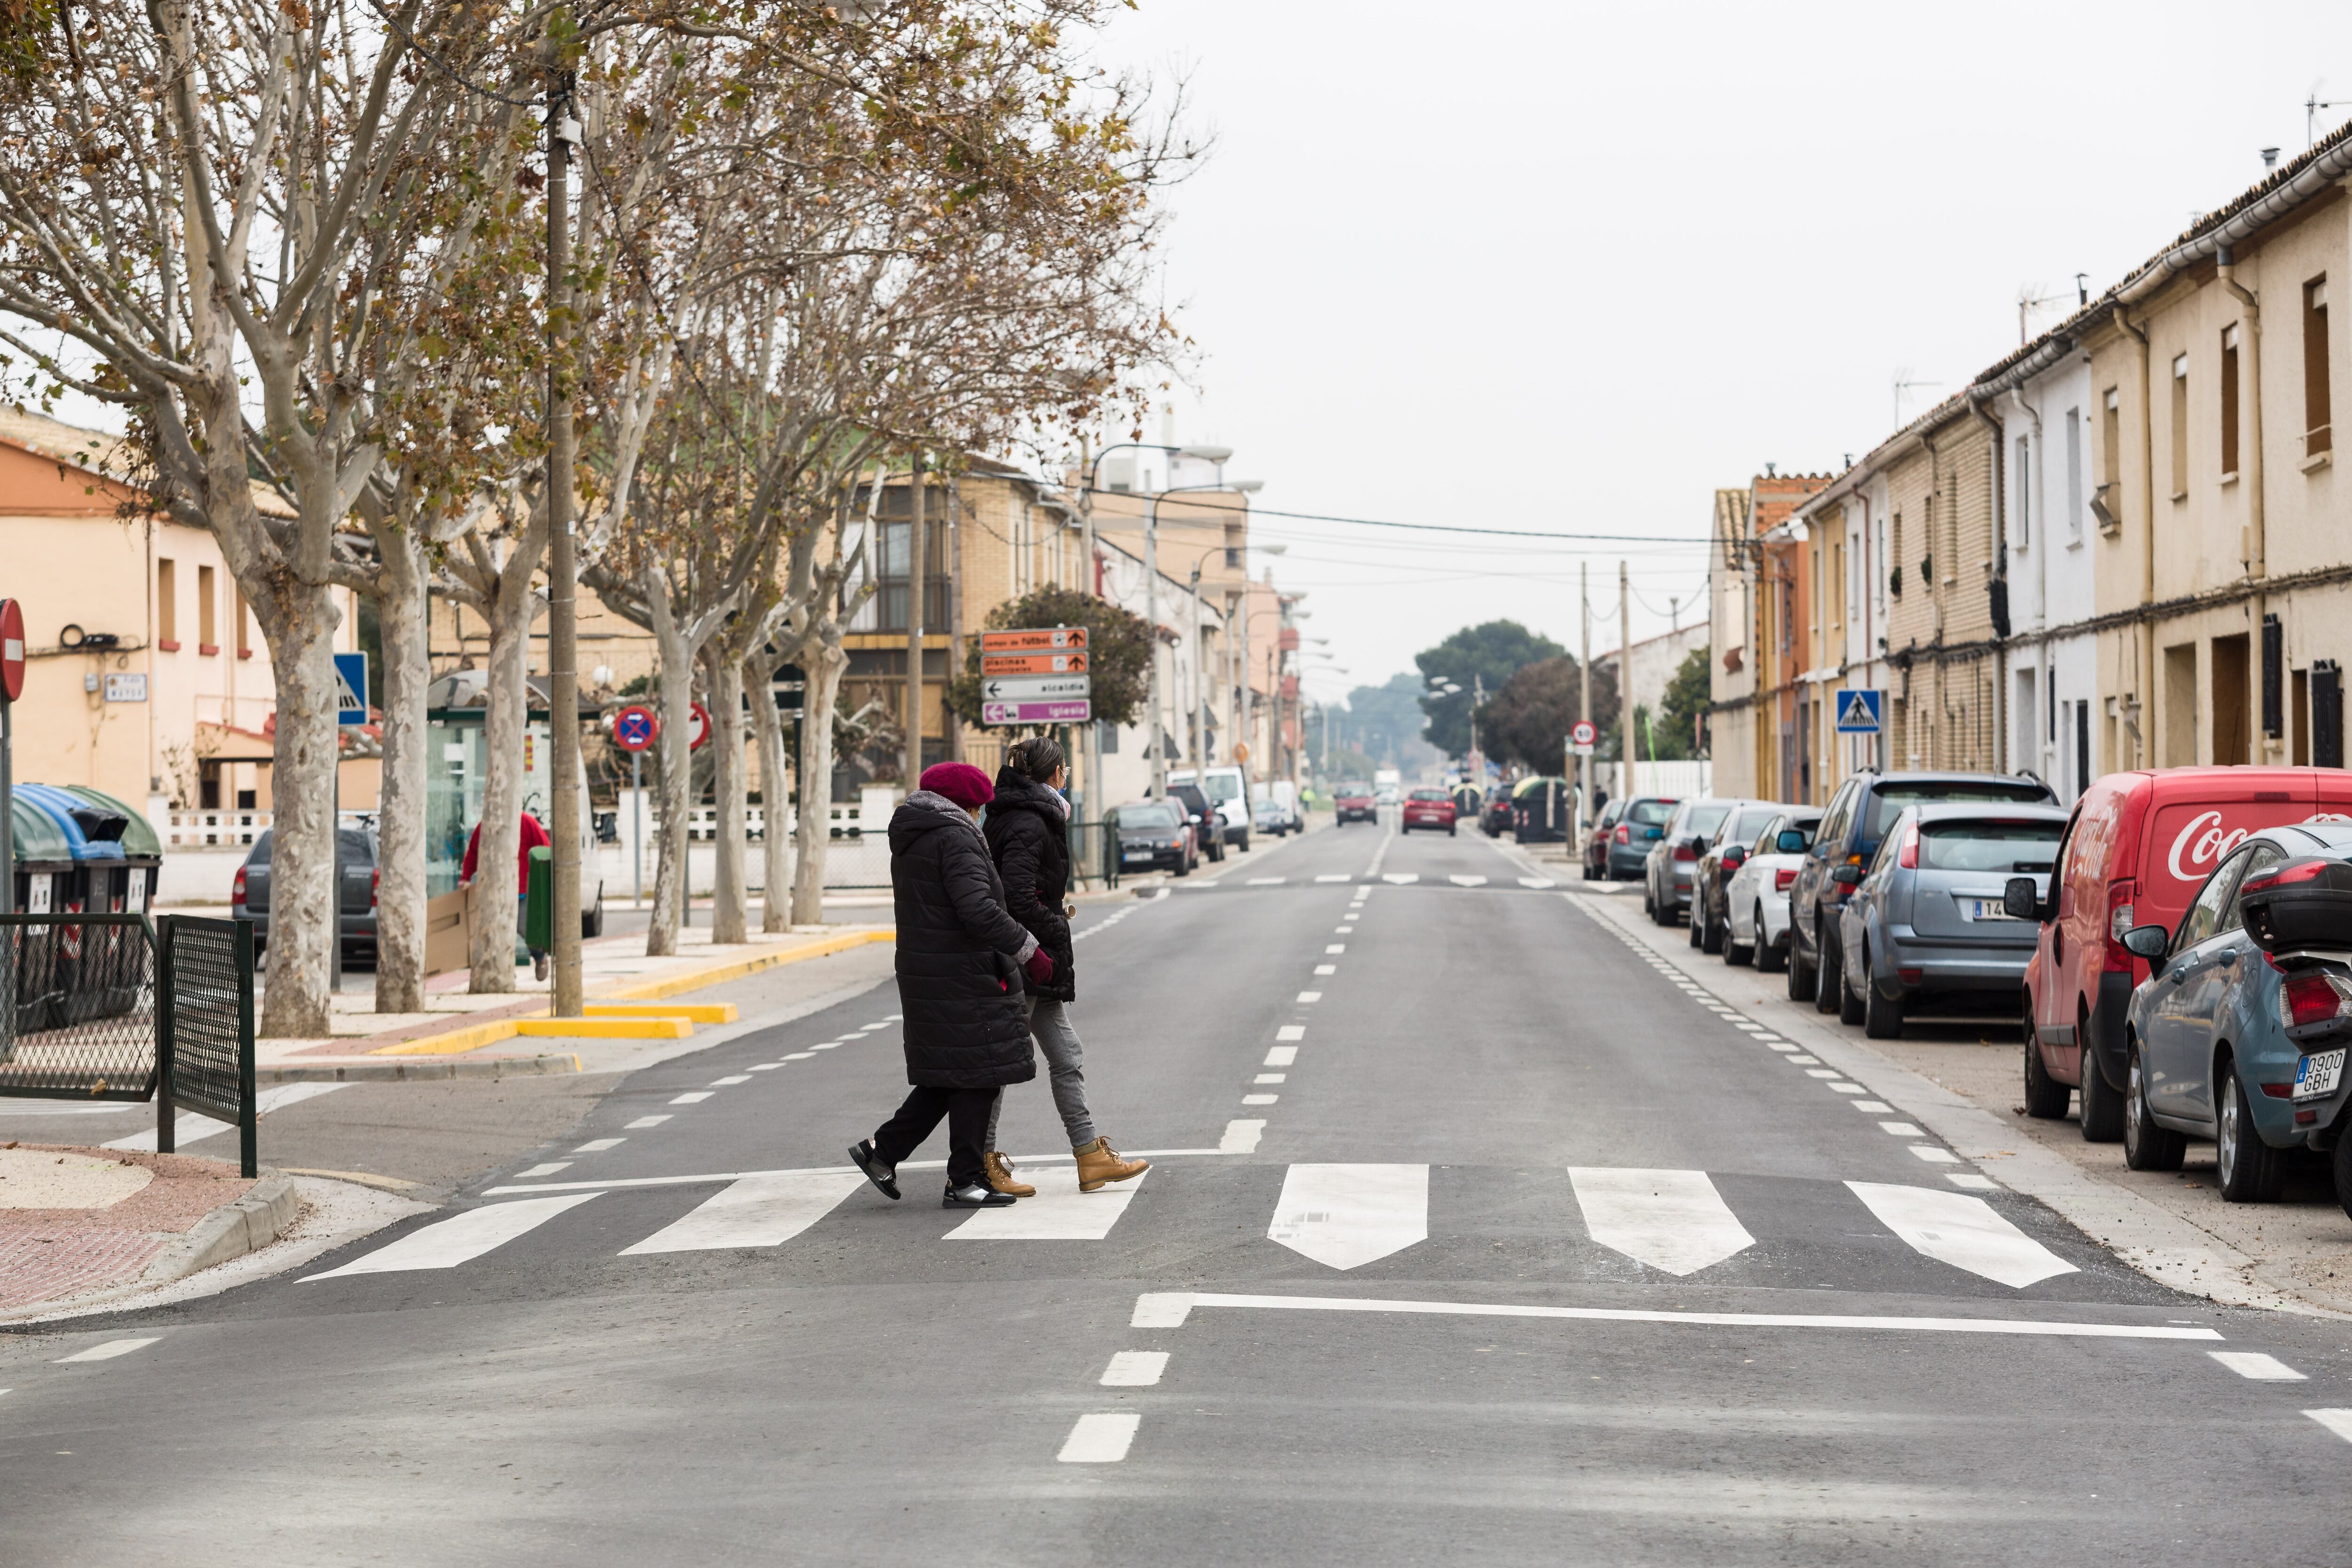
(1078, 713)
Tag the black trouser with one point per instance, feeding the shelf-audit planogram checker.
(966, 1110)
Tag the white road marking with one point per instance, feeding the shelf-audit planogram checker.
(1101, 1439)
(693, 1097)
(188, 1126)
(1934, 1155)
(1135, 1369)
(1750, 1028)
(1872, 1107)
(1336, 947)
(1805, 1061)
(1781, 1045)
(598, 1145)
(1343, 931)
(1971, 1181)
(1162, 1309)
(2337, 1421)
(1168, 1305)
(1241, 1137)
(1327, 969)
(1311, 995)
(1462, 880)
(2256, 1365)
(800, 1056)
(1271, 1077)
(758, 1211)
(1962, 1231)
(1281, 1056)
(446, 1244)
(1058, 1213)
(1900, 1129)
(1849, 1088)
(1821, 1072)
(1536, 882)
(719, 1178)
(648, 1122)
(1347, 1216)
(1401, 878)
(763, 1067)
(1336, 877)
(1267, 881)
(731, 1078)
(831, 1045)
(1291, 1031)
(1671, 1220)
(1260, 1099)
(548, 1169)
(110, 1350)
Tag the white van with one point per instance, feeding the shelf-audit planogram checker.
(1228, 789)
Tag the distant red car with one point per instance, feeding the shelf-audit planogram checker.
(1430, 808)
(1354, 803)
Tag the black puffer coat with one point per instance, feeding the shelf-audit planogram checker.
(958, 960)
(1028, 836)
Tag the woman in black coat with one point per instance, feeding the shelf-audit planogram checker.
(962, 963)
(1028, 836)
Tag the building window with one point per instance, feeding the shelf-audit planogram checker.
(2229, 405)
(207, 637)
(2108, 502)
(2073, 497)
(2317, 436)
(1894, 561)
(243, 625)
(2025, 510)
(167, 605)
(2180, 426)
(1885, 562)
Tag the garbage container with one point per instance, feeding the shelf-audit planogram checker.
(90, 971)
(130, 885)
(44, 876)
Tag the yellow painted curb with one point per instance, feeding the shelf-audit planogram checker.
(700, 1012)
(605, 1028)
(457, 1042)
(736, 969)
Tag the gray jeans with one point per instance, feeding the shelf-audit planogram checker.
(1064, 1065)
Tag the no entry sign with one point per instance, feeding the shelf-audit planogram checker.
(635, 728)
(12, 649)
(697, 728)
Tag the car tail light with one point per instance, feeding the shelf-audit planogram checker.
(237, 888)
(1907, 856)
(375, 882)
(2120, 916)
(1784, 878)
(2313, 999)
(2283, 876)
(1684, 852)
(1624, 835)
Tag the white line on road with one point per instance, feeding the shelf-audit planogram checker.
(2255, 1364)
(1822, 1072)
(692, 1097)
(548, 1169)
(1848, 1089)
(1964, 1232)
(1311, 995)
(1971, 1181)
(1135, 1369)
(2337, 1421)
(187, 1126)
(1401, 878)
(1101, 1439)
(1336, 947)
(1870, 1106)
(598, 1145)
(758, 1211)
(1336, 877)
(1291, 1031)
(1241, 1137)
(1345, 1216)
(448, 1243)
(1281, 1056)
(710, 1178)
(1058, 1213)
(1168, 1310)
(1671, 1220)
(648, 1122)
(1260, 1099)
(1900, 1129)
(1271, 1077)
(1934, 1155)
(1265, 881)
(1537, 882)
(804, 1055)
(1461, 880)
(1327, 969)
(110, 1350)
(730, 1080)
(763, 1067)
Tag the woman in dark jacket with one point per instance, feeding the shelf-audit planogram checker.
(962, 962)
(1028, 834)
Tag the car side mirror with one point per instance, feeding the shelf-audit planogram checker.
(1846, 876)
(2020, 898)
(2146, 941)
(1735, 856)
(1790, 842)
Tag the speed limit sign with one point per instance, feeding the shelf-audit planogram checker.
(1582, 737)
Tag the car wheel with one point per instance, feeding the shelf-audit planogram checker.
(1769, 959)
(1697, 919)
(1733, 954)
(1452, 833)
(1882, 1017)
(1711, 935)
(2103, 1107)
(1854, 1007)
(1802, 975)
(1183, 867)
(2045, 1097)
(1829, 987)
(2246, 1169)
(2146, 1146)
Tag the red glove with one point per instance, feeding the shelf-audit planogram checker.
(1040, 967)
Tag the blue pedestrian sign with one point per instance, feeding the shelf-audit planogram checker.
(351, 689)
(1859, 711)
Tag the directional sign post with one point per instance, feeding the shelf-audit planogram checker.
(1039, 675)
(1860, 710)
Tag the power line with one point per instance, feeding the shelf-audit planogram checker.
(443, 67)
(1193, 503)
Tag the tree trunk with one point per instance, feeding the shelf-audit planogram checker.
(729, 924)
(300, 621)
(775, 796)
(824, 662)
(676, 678)
(401, 851)
(496, 871)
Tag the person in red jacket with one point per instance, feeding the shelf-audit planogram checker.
(532, 837)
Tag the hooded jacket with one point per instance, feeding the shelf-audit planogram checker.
(1028, 836)
(958, 954)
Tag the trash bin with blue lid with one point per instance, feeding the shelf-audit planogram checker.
(70, 975)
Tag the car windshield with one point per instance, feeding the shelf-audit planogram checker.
(1430, 794)
(1652, 812)
(1355, 789)
(1988, 846)
(1886, 801)
(1146, 813)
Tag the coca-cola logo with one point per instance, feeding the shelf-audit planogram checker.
(2205, 841)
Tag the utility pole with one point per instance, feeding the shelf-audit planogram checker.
(1094, 802)
(1624, 685)
(562, 565)
(1584, 669)
(1153, 751)
(914, 759)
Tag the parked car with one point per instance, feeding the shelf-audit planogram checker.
(1203, 819)
(1711, 881)
(2238, 1035)
(1286, 794)
(1643, 820)
(1495, 816)
(1226, 789)
(1430, 808)
(1853, 824)
(1929, 923)
(1156, 834)
(1269, 816)
(1596, 840)
(2141, 846)
(1353, 802)
(1668, 870)
(355, 879)
(1756, 899)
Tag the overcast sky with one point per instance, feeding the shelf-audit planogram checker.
(1573, 268)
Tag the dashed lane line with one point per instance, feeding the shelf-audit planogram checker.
(2261, 1368)
(110, 1350)
(1102, 1439)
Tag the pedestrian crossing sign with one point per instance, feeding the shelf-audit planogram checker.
(351, 689)
(1858, 711)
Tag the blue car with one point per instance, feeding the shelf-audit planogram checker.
(2239, 1031)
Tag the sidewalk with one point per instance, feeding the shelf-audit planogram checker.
(75, 1221)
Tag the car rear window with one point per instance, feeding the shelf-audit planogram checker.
(1430, 794)
(1706, 819)
(1747, 826)
(1355, 789)
(1146, 813)
(1653, 813)
(1886, 802)
(1991, 845)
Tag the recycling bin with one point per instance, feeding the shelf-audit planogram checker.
(70, 974)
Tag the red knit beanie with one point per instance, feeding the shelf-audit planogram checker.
(960, 783)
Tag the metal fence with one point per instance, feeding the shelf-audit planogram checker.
(204, 1025)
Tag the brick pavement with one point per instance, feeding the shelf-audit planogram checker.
(50, 1254)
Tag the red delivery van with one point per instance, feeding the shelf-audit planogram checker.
(2136, 850)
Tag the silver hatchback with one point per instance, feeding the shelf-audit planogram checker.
(1925, 923)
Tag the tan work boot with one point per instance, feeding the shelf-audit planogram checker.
(1099, 1163)
(1000, 1177)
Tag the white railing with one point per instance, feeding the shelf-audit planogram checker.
(198, 830)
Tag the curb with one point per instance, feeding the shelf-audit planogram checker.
(736, 969)
(421, 1071)
(267, 1212)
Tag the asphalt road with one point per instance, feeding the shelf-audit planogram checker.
(1480, 1236)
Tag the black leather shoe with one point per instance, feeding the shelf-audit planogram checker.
(886, 1177)
(978, 1195)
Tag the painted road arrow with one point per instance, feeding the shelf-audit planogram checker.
(1348, 1215)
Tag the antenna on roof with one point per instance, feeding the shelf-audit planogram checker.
(1903, 383)
(2270, 159)
(2311, 108)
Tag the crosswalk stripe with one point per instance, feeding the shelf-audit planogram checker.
(1348, 1215)
(448, 1243)
(1336, 877)
(758, 1211)
(1058, 1213)
(1964, 1232)
(1267, 881)
(1671, 1220)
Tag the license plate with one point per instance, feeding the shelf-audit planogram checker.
(2318, 1075)
(1138, 855)
(1985, 909)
